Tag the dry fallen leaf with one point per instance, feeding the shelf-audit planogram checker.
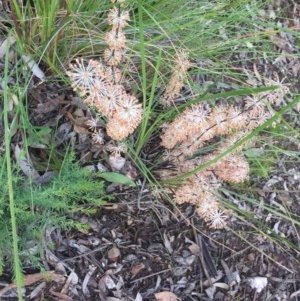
(32, 278)
(294, 294)
(168, 242)
(38, 291)
(3, 45)
(87, 277)
(136, 269)
(194, 248)
(165, 296)
(258, 283)
(33, 66)
(222, 285)
(138, 297)
(61, 296)
(210, 292)
(80, 129)
(113, 254)
(13, 101)
(46, 107)
(109, 282)
(130, 171)
(71, 281)
(26, 164)
(116, 162)
(186, 261)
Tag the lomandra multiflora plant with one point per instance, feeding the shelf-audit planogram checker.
(99, 83)
(201, 124)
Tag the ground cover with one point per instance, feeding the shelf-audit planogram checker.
(150, 150)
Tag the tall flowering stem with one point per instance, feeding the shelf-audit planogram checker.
(99, 81)
(197, 126)
(176, 81)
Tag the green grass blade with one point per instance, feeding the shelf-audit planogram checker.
(17, 267)
(144, 133)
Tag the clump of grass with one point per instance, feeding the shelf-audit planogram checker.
(55, 31)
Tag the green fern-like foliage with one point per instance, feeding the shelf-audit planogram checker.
(72, 190)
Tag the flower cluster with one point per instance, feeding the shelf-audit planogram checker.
(99, 82)
(199, 191)
(176, 81)
(199, 124)
(116, 38)
(195, 127)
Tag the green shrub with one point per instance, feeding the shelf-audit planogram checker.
(73, 189)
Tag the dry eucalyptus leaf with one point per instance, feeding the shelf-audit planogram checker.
(46, 177)
(138, 297)
(80, 129)
(63, 132)
(165, 296)
(38, 290)
(33, 66)
(119, 286)
(116, 162)
(33, 278)
(72, 280)
(258, 283)
(185, 260)
(37, 145)
(102, 288)
(3, 45)
(47, 107)
(235, 278)
(213, 279)
(180, 271)
(110, 284)
(25, 164)
(113, 254)
(130, 171)
(136, 269)
(61, 296)
(168, 242)
(210, 292)
(222, 285)
(195, 249)
(60, 268)
(294, 294)
(13, 101)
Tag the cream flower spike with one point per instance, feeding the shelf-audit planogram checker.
(85, 75)
(217, 219)
(117, 18)
(118, 1)
(115, 38)
(176, 81)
